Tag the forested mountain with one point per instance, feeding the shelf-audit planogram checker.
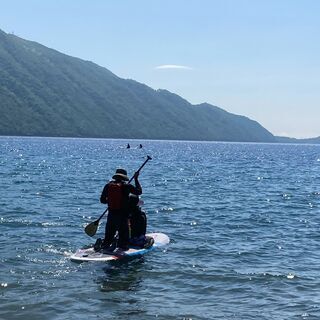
(47, 93)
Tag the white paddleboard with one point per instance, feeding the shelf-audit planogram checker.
(81, 255)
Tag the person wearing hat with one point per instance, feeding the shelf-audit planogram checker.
(138, 224)
(116, 194)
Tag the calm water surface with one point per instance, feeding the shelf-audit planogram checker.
(243, 221)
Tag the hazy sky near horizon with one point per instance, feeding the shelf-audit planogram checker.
(260, 59)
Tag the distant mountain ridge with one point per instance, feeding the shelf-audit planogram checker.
(294, 140)
(46, 93)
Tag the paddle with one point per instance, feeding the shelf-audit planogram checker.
(92, 227)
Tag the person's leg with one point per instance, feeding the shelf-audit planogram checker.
(110, 230)
(123, 232)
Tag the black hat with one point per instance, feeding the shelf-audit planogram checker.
(120, 174)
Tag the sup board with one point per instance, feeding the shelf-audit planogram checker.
(82, 255)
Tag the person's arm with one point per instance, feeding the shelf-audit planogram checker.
(104, 194)
(137, 190)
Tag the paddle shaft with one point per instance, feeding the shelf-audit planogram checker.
(148, 158)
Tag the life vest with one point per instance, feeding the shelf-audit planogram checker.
(115, 196)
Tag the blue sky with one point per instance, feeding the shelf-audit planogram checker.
(258, 58)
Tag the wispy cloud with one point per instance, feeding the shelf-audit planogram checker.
(172, 66)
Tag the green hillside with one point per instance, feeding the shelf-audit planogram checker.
(47, 93)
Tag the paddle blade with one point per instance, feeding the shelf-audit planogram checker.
(92, 228)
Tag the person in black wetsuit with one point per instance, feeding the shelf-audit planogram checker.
(138, 224)
(116, 194)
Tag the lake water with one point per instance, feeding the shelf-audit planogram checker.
(243, 221)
